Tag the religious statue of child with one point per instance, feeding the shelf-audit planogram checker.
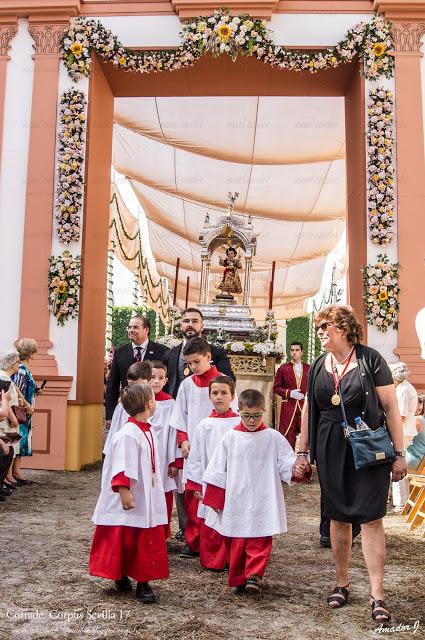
(230, 281)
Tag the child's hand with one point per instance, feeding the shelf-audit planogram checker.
(185, 447)
(198, 495)
(127, 498)
(172, 471)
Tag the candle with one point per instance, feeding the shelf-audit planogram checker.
(186, 304)
(176, 281)
(271, 286)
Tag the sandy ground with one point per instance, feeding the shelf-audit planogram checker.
(46, 592)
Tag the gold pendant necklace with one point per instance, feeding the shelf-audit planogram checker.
(336, 399)
(186, 371)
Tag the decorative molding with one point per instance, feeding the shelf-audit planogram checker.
(25, 8)
(7, 33)
(48, 425)
(47, 37)
(255, 8)
(407, 36)
(407, 10)
(248, 365)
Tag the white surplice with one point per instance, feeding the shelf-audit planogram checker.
(251, 467)
(119, 419)
(166, 437)
(130, 453)
(206, 438)
(193, 404)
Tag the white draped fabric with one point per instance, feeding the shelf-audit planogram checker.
(285, 157)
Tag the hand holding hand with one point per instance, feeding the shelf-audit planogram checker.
(185, 447)
(198, 495)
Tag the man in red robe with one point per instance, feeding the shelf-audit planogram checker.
(291, 385)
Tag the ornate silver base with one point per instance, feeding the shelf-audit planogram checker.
(235, 319)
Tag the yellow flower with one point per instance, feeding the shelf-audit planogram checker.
(333, 60)
(77, 48)
(122, 61)
(224, 32)
(379, 49)
(383, 296)
(62, 287)
(391, 309)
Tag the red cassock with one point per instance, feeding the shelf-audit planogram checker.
(290, 410)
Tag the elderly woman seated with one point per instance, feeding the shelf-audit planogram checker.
(416, 449)
(9, 426)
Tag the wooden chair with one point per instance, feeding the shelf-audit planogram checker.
(415, 488)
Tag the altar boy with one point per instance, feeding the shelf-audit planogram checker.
(207, 436)
(192, 405)
(131, 512)
(170, 456)
(244, 489)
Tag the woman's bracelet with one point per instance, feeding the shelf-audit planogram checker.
(302, 453)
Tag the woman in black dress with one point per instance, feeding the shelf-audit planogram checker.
(364, 380)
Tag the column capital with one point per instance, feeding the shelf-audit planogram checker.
(8, 30)
(407, 36)
(47, 36)
(405, 10)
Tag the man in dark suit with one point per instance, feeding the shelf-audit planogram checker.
(140, 348)
(192, 325)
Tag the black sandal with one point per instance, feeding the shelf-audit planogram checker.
(380, 612)
(339, 597)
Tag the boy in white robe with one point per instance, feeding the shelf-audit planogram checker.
(207, 436)
(192, 405)
(170, 455)
(129, 539)
(244, 489)
(137, 372)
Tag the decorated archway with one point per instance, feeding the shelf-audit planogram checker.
(255, 65)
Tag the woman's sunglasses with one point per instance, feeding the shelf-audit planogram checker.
(323, 326)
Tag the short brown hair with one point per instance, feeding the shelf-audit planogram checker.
(197, 345)
(157, 364)
(26, 347)
(135, 398)
(421, 400)
(140, 371)
(251, 398)
(343, 317)
(193, 310)
(222, 380)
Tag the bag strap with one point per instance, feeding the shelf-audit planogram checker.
(344, 415)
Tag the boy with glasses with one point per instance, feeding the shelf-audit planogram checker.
(244, 489)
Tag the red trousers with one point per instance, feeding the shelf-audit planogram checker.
(119, 551)
(193, 524)
(247, 557)
(169, 501)
(212, 548)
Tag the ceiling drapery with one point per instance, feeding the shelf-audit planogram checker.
(285, 157)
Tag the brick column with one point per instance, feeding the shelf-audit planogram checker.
(34, 314)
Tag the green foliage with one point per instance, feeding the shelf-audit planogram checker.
(297, 329)
(120, 320)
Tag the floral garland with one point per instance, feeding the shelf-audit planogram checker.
(380, 170)
(381, 291)
(64, 285)
(69, 192)
(233, 35)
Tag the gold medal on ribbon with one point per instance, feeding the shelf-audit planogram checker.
(186, 371)
(336, 399)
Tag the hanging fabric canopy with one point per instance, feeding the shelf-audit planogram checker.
(285, 157)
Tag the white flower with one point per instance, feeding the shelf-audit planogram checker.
(237, 347)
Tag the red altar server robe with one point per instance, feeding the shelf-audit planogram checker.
(290, 410)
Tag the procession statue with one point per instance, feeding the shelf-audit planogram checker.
(230, 282)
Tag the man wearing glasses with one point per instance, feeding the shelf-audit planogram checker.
(139, 348)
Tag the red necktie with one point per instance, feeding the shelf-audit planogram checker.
(138, 355)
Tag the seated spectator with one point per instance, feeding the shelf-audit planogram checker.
(416, 449)
(27, 348)
(6, 451)
(9, 364)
